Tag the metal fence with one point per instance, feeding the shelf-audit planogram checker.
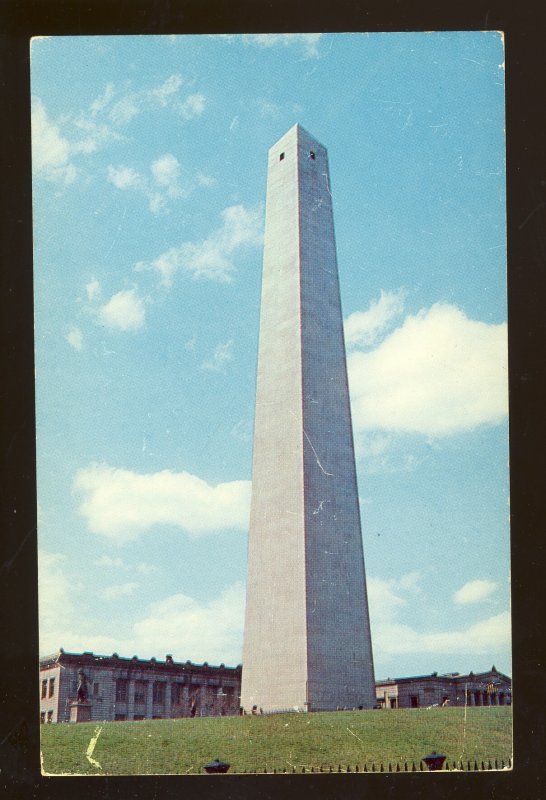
(449, 766)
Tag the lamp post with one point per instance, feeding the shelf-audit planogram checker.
(215, 767)
(434, 761)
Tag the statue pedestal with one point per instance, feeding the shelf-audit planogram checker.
(80, 712)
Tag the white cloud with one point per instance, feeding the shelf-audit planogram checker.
(124, 177)
(121, 505)
(363, 327)
(132, 103)
(166, 174)
(97, 134)
(144, 569)
(193, 106)
(438, 374)
(380, 452)
(119, 590)
(166, 171)
(75, 338)
(124, 110)
(162, 94)
(93, 290)
(124, 311)
(392, 638)
(100, 103)
(211, 258)
(50, 150)
(107, 562)
(200, 631)
(205, 180)
(181, 625)
(268, 109)
(474, 592)
(162, 184)
(223, 353)
(53, 589)
(308, 41)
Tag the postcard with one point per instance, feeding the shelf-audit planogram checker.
(271, 403)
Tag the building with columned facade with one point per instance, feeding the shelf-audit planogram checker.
(491, 688)
(135, 688)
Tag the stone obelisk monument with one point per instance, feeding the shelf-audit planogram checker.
(307, 638)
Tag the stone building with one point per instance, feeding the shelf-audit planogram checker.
(134, 688)
(490, 688)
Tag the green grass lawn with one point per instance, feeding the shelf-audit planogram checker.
(346, 738)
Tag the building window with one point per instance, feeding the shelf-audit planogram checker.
(414, 701)
(96, 689)
(51, 687)
(42, 717)
(140, 692)
(138, 717)
(121, 690)
(49, 717)
(176, 693)
(120, 717)
(281, 157)
(44, 688)
(159, 692)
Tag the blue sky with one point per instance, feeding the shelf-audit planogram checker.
(149, 160)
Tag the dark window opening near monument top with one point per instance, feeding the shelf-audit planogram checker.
(312, 154)
(281, 156)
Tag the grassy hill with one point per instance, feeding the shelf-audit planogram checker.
(283, 741)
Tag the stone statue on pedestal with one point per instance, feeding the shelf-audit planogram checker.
(83, 691)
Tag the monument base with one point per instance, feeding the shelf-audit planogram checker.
(80, 712)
